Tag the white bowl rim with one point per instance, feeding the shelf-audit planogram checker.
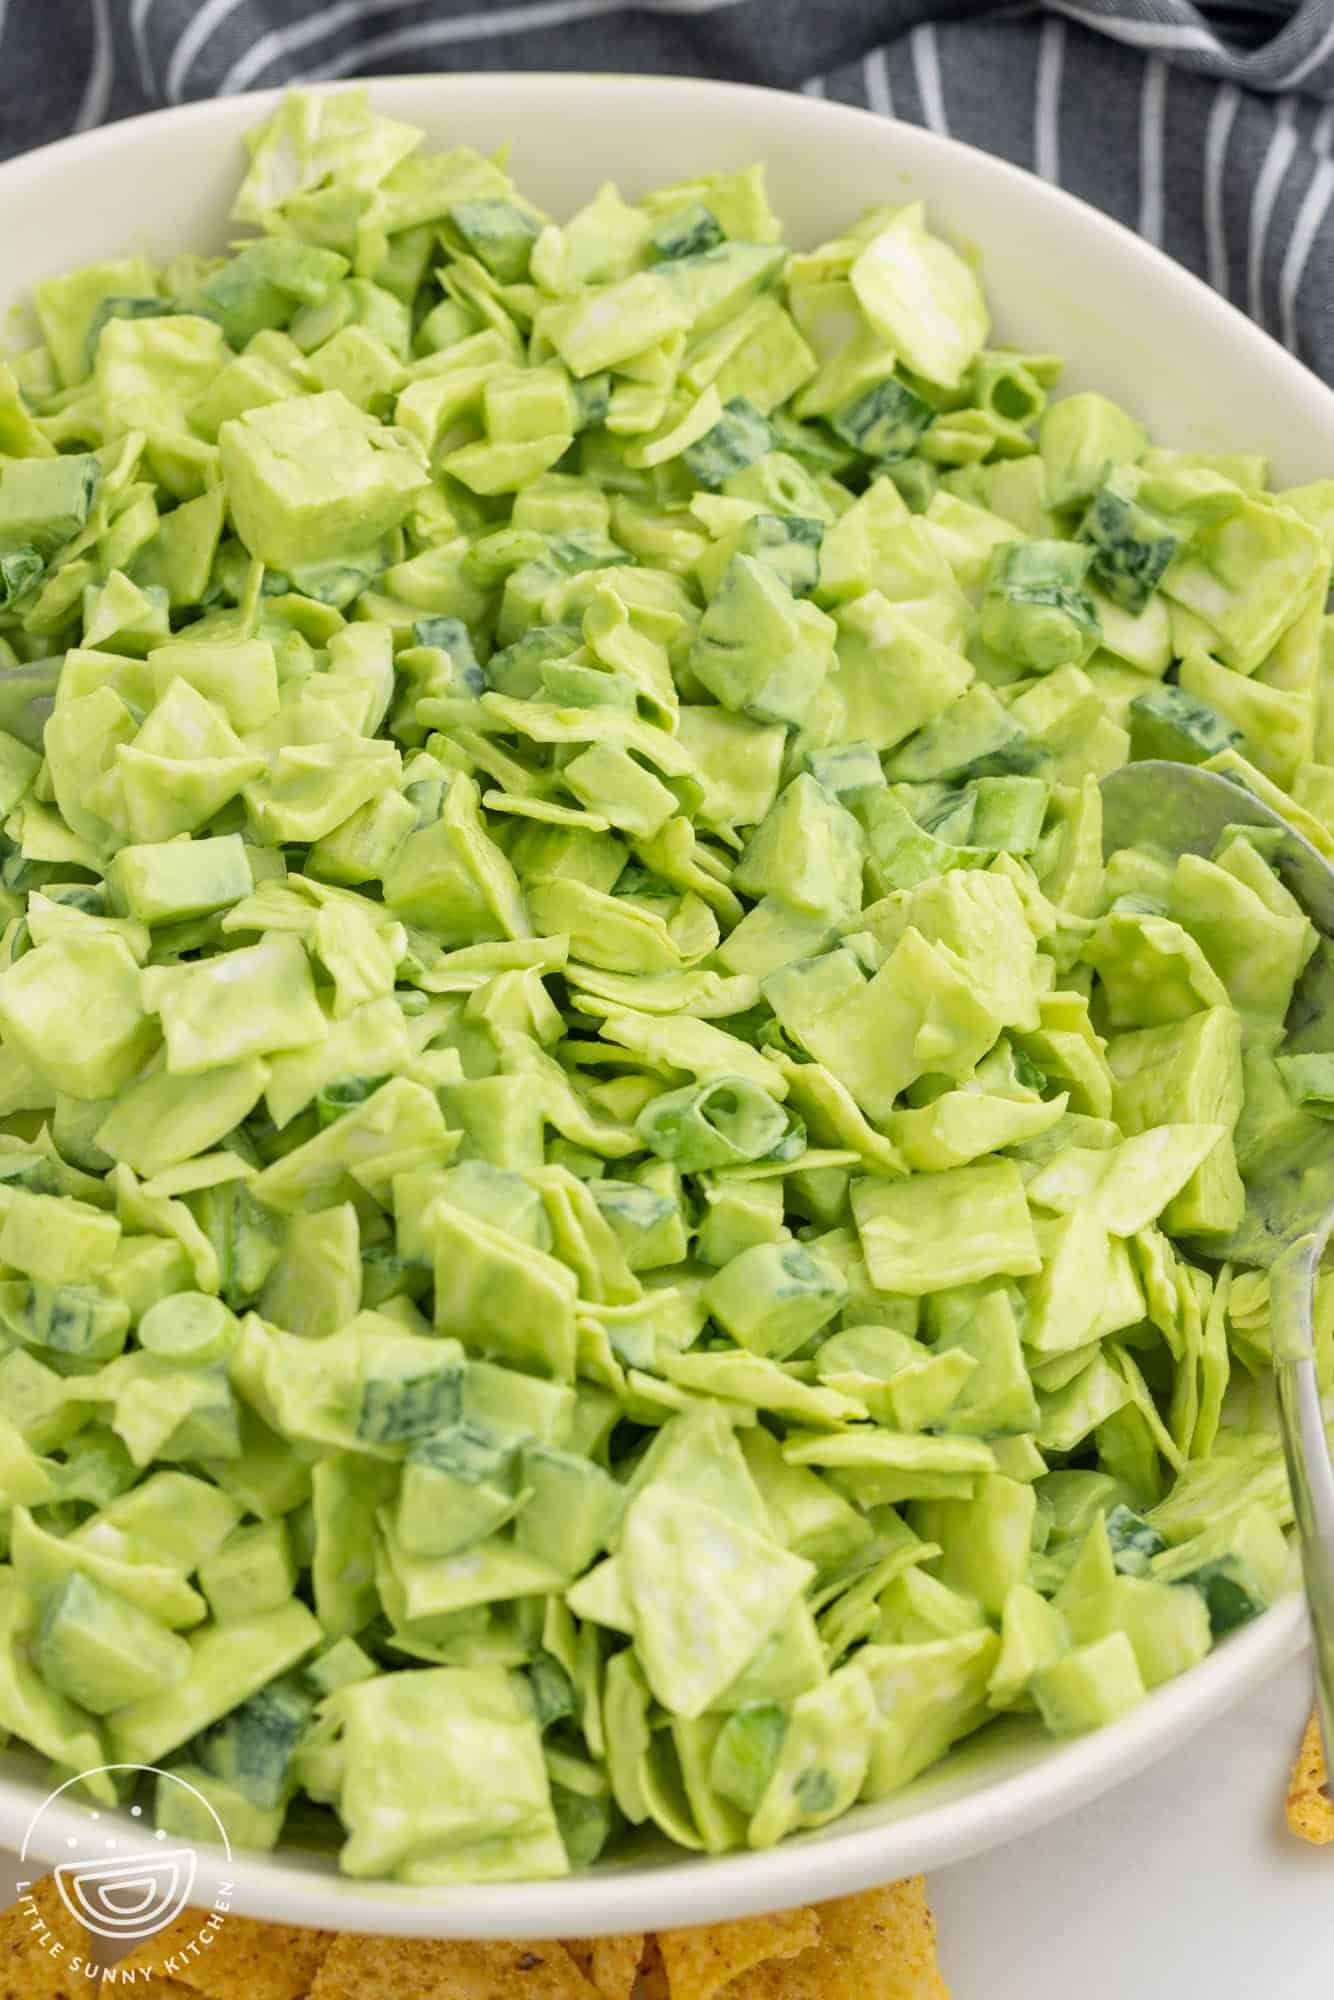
(292, 1887)
(678, 1892)
(201, 112)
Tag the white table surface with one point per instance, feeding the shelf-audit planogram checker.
(1182, 1885)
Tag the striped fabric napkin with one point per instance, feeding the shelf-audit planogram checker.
(1210, 130)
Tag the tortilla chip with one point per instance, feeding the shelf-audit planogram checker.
(615, 1965)
(653, 1974)
(609, 1963)
(880, 1946)
(245, 1960)
(31, 1968)
(701, 1963)
(1310, 1809)
(392, 1968)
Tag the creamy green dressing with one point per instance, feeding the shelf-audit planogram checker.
(610, 1214)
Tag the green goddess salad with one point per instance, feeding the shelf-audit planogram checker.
(611, 1219)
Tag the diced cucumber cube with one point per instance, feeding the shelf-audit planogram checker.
(458, 1487)
(1241, 1567)
(916, 480)
(790, 544)
(1089, 1687)
(740, 436)
(1008, 813)
(229, 1664)
(251, 1748)
(648, 1221)
(45, 501)
(102, 1650)
(1167, 722)
(499, 235)
(253, 1571)
(179, 1814)
(885, 421)
(20, 570)
(1035, 611)
(1133, 546)
(737, 1216)
(850, 772)
(410, 1388)
(79, 1320)
(265, 282)
(974, 729)
(1081, 438)
(688, 231)
(1133, 1541)
(985, 1541)
(1033, 1636)
(314, 480)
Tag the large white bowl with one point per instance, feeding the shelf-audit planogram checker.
(1060, 277)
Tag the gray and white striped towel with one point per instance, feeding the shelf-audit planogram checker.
(1209, 129)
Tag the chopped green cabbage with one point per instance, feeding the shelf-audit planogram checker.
(606, 1208)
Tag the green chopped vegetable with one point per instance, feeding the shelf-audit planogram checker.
(739, 437)
(611, 1215)
(886, 421)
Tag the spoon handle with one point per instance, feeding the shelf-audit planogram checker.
(1306, 1446)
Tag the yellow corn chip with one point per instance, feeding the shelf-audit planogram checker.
(381, 1968)
(653, 1974)
(581, 1951)
(1310, 1809)
(880, 1946)
(40, 1943)
(701, 1963)
(615, 1965)
(609, 1963)
(244, 1960)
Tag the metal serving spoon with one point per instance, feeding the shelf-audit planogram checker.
(1290, 1204)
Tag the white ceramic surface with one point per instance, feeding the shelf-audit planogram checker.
(1059, 277)
(1185, 1885)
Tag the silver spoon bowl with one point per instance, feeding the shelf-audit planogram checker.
(1290, 1200)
